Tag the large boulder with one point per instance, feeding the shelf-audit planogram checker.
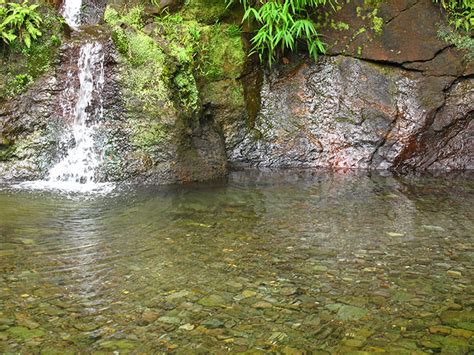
(390, 94)
(349, 113)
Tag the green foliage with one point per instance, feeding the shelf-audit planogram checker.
(340, 26)
(460, 13)
(188, 92)
(377, 22)
(462, 42)
(183, 37)
(132, 17)
(19, 83)
(19, 22)
(205, 11)
(221, 54)
(282, 25)
(22, 65)
(156, 75)
(233, 31)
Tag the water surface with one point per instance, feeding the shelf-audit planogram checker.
(272, 262)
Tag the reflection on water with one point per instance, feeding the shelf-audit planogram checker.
(283, 262)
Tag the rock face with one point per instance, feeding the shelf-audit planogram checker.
(348, 113)
(36, 126)
(397, 31)
(390, 95)
(159, 146)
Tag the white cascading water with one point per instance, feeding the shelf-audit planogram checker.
(81, 161)
(76, 171)
(71, 11)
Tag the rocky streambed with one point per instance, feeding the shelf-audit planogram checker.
(288, 263)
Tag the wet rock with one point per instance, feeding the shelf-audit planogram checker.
(170, 320)
(347, 312)
(7, 321)
(212, 301)
(455, 345)
(262, 305)
(24, 334)
(334, 307)
(149, 317)
(430, 344)
(382, 293)
(213, 323)
(86, 327)
(121, 344)
(399, 20)
(348, 113)
(440, 330)
(455, 274)
(462, 333)
(433, 228)
(140, 141)
(236, 286)
(454, 306)
(187, 326)
(230, 324)
(277, 337)
(289, 291)
(378, 300)
(177, 295)
(461, 319)
(248, 293)
(320, 268)
(354, 343)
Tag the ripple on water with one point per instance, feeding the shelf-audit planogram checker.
(281, 262)
(67, 187)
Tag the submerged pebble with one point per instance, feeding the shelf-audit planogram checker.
(293, 265)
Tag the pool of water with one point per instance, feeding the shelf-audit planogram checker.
(288, 263)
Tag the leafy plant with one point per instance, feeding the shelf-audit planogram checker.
(461, 41)
(19, 83)
(234, 31)
(460, 13)
(282, 26)
(19, 22)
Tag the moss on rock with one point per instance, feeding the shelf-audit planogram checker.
(222, 54)
(21, 66)
(205, 11)
(172, 68)
(168, 60)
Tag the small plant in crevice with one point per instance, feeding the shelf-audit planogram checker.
(459, 40)
(282, 26)
(19, 22)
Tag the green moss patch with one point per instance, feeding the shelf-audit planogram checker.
(21, 66)
(205, 11)
(222, 54)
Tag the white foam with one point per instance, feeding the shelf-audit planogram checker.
(76, 171)
(71, 11)
(67, 187)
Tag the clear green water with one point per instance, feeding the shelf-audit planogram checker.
(285, 262)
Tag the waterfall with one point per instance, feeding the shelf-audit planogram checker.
(71, 11)
(83, 106)
(81, 161)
